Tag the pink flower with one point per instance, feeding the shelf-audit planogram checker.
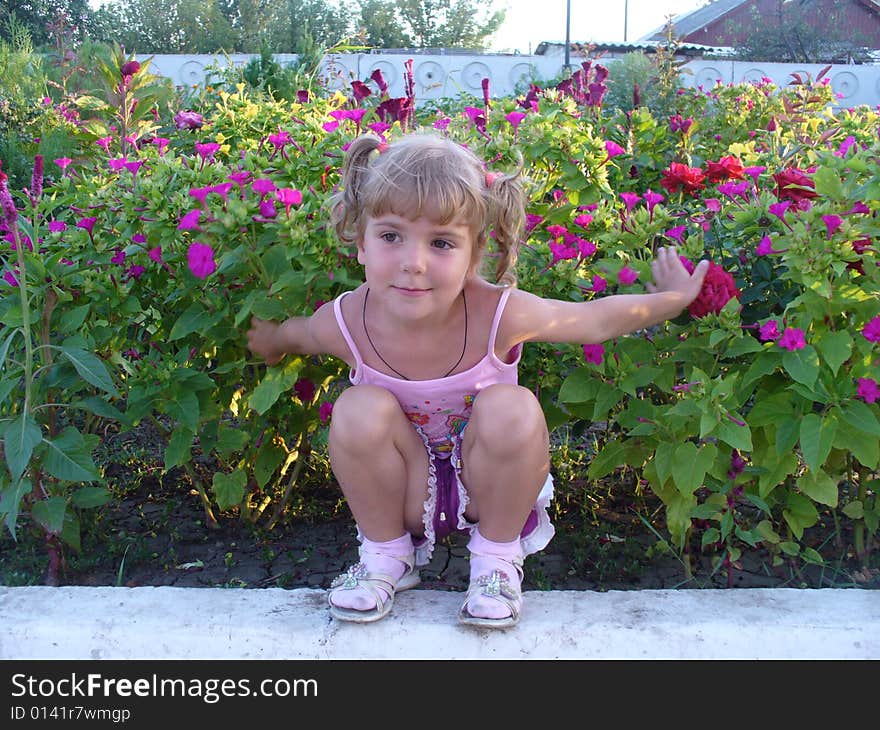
(769, 331)
(871, 330)
(679, 124)
(10, 279)
(240, 178)
(200, 259)
(832, 222)
(718, 288)
(104, 143)
(139, 238)
(288, 197)
(858, 207)
(594, 353)
(599, 284)
(87, 223)
(188, 120)
(778, 209)
(557, 231)
(161, 143)
(713, 204)
(57, 226)
(116, 163)
(585, 248)
(190, 221)
(63, 162)
(325, 411)
(263, 186)
(532, 221)
(133, 165)
(676, 233)
(206, 150)
(304, 389)
(135, 271)
(765, 247)
(155, 254)
(118, 257)
(627, 276)
(792, 339)
(442, 124)
(514, 118)
(613, 149)
(562, 251)
(329, 126)
(200, 194)
(267, 208)
(652, 198)
(868, 390)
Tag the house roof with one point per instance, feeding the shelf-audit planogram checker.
(648, 46)
(692, 21)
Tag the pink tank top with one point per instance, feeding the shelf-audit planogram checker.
(439, 408)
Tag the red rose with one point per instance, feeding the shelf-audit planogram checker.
(793, 184)
(681, 177)
(718, 289)
(727, 168)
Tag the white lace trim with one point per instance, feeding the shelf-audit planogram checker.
(426, 548)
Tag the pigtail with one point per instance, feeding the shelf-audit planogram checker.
(345, 206)
(507, 216)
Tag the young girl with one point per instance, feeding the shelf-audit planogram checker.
(434, 435)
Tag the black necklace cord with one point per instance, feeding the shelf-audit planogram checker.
(379, 355)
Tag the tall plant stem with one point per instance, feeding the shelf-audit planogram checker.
(25, 322)
(305, 449)
(859, 527)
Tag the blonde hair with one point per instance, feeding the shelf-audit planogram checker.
(423, 174)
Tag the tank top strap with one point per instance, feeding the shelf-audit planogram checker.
(349, 340)
(496, 321)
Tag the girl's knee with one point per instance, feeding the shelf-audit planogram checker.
(509, 414)
(363, 414)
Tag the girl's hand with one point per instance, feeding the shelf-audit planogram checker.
(263, 339)
(670, 275)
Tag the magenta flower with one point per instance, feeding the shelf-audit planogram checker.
(87, 223)
(129, 69)
(10, 279)
(135, 271)
(792, 339)
(441, 124)
(613, 149)
(765, 247)
(557, 231)
(868, 390)
(630, 200)
(267, 208)
(583, 220)
(325, 410)
(871, 330)
(676, 233)
(627, 276)
(222, 189)
(190, 221)
(104, 143)
(652, 198)
(514, 118)
(562, 251)
(832, 222)
(778, 209)
(304, 389)
(206, 150)
(116, 163)
(585, 248)
(769, 331)
(161, 143)
(599, 284)
(63, 162)
(754, 172)
(118, 257)
(200, 259)
(533, 221)
(263, 186)
(139, 238)
(155, 254)
(57, 226)
(858, 208)
(594, 353)
(330, 126)
(288, 197)
(201, 194)
(360, 90)
(679, 124)
(240, 178)
(845, 145)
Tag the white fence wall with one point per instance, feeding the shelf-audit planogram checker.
(445, 75)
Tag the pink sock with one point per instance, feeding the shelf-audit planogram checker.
(487, 556)
(377, 557)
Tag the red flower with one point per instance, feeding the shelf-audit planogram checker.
(793, 184)
(681, 177)
(718, 289)
(727, 168)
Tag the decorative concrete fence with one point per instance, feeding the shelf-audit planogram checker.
(452, 74)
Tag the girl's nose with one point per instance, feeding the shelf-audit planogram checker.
(413, 261)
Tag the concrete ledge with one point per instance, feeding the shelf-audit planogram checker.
(216, 623)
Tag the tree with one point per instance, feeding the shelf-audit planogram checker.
(37, 16)
(802, 32)
(428, 23)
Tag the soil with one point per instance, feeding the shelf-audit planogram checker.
(154, 534)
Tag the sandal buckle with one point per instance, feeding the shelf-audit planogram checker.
(351, 577)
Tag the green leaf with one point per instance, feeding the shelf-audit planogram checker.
(800, 513)
(767, 411)
(811, 556)
(802, 365)
(179, 446)
(10, 503)
(22, 436)
(855, 510)
(777, 471)
(763, 364)
(49, 513)
(607, 398)
(828, 183)
(663, 460)
(863, 446)
(90, 368)
(689, 466)
(764, 529)
(743, 346)
(89, 497)
(99, 407)
(788, 431)
(710, 537)
(4, 348)
(269, 458)
(747, 536)
(790, 548)
(705, 511)
(612, 455)
(816, 437)
(229, 488)
(194, 319)
(740, 437)
(835, 348)
(183, 406)
(231, 440)
(70, 530)
(819, 487)
(72, 319)
(276, 381)
(68, 457)
(860, 416)
(580, 386)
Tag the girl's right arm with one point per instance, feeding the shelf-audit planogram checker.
(315, 335)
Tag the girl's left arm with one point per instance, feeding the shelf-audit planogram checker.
(529, 318)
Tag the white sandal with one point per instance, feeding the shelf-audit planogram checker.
(357, 576)
(495, 585)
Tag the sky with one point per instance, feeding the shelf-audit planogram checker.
(528, 22)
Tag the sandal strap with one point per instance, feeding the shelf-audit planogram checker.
(357, 576)
(517, 562)
(495, 585)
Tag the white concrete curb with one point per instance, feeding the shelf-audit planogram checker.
(217, 623)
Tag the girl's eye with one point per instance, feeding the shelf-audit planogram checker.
(441, 243)
(389, 237)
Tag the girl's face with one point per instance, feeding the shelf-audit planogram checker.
(418, 266)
